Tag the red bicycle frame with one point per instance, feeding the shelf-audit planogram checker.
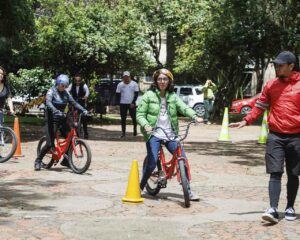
(62, 145)
(170, 166)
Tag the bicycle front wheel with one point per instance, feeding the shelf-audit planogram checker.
(80, 156)
(8, 143)
(184, 183)
(48, 161)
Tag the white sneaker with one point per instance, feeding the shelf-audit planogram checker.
(270, 215)
(193, 196)
(290, 214)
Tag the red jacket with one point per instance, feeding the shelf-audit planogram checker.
(282, 97)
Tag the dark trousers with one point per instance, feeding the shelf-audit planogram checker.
(52, 126)
(283, 149)
(123, 112)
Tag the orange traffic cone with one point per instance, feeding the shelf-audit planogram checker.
(133, 193)
(18, 152)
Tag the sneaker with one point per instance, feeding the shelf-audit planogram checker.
(290, 214)
(194, 197)
(37, 165)
(65, 163)
(122, 136)
(270, 215)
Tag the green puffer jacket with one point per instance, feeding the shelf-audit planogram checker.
(149, 108)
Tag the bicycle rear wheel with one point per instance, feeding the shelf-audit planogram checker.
(152, 185)
(48, 161)
(8, 143)
(80, 157)
(184, 183)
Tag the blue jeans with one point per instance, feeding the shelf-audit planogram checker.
(153, 145)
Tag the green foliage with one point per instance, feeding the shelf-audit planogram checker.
(91, 37)
(16, 29)
(31, 83)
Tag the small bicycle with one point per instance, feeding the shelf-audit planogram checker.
(74, 149)
(8, 141)
(178, 165)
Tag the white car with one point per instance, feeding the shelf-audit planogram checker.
(192, 96)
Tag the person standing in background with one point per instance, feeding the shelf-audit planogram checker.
(80, 92)
(127, 94)
(209, 97)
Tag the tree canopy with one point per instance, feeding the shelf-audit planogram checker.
(215, 39)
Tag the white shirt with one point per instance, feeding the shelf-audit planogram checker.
(163, 122)
(85, 88)
(127, 91)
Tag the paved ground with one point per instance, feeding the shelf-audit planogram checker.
(57, 204)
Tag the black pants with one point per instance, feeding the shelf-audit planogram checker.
(283, 149)
(123, 112)
(52, 126)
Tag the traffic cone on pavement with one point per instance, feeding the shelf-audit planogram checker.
(224, 135)
(264, 130)
(133, 193)
(18, 152)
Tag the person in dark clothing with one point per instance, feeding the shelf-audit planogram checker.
(127, 93)
(5, 94)
(80, 92)
(57, 99)
(282, 96)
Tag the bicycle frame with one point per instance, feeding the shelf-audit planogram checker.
(170, 166)
(62, 145)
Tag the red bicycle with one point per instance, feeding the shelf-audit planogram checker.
(177, 166)
(74, 149)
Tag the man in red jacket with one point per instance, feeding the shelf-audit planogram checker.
(282, 97)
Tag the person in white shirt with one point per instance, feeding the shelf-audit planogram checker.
(127, 93)
(80, 92)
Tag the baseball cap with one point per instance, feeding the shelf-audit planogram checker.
(126, 73)
(285, 57)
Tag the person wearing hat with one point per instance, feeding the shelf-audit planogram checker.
(282, 97)
(127, 93)
(159, 108)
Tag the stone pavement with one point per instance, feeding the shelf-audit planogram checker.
(57, 204)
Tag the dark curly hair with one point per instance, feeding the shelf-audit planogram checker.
(166, 72)
(4, 75)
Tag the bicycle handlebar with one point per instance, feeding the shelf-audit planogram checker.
(176, 136)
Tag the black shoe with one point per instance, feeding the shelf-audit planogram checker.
(37, 165)
(65, 163)
(86, 136)
(290, 214)
(271, 215)
(122, 136)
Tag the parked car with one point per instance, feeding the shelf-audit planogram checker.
(243, 106)
(192, 96)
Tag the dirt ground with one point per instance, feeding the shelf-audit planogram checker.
(58, 204)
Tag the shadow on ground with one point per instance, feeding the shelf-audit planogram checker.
(14, 197)
(246, 153)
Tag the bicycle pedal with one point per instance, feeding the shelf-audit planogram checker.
(162, 183)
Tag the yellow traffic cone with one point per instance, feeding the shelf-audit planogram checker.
(224, 135)
(133, 193)
(264, 130)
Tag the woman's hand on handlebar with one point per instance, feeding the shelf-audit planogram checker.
(199, 120)
(148, 128)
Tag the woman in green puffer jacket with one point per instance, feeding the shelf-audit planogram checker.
(159, 108)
